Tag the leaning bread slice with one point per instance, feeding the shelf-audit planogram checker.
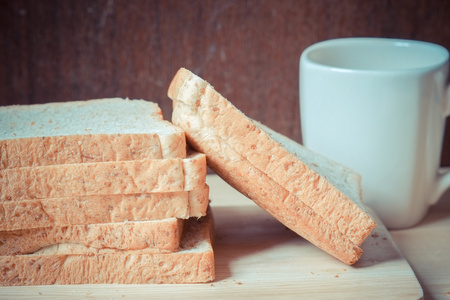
(159, 235)
(104, 178)
(342, 177)
(76, 264)
(81, 210)
(86, 131)
(258, 166)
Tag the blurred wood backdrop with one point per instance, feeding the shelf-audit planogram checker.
(64, 50)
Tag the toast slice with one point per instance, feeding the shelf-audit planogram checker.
(82, 210)
(259, 167)
(104, 178)
(77, 264)
(159, 235)
(85, 132)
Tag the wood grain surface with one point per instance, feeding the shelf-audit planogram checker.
(62, 50)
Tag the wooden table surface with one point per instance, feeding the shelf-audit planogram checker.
(425, 246)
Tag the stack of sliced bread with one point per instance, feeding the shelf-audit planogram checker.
(100, 191)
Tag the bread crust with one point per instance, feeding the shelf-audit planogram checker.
(215, 127)
(66, 264)
(81, 210)
(104, 178)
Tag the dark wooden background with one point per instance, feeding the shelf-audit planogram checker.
(249, 50)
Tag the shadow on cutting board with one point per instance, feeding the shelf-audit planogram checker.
(242, 232)
(247, 236)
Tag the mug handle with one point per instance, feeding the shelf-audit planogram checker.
(442, 185)
(443, 176)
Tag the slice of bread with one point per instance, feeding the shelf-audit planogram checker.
(259, 167)
(77, 264)
(342, 177)
(86, 131)
(160, 235)
(104, 178)
(81, 210)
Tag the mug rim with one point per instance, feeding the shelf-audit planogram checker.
(441, 59)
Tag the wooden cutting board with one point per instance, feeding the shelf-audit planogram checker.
(259, 258)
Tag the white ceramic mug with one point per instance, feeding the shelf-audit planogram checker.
(379, 106)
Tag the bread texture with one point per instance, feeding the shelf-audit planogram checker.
(261, 168)
(77, 264)
(161, 235)
(101, 192)
(86, 131)
(82, 210)
(104, 178)
(340, 176)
